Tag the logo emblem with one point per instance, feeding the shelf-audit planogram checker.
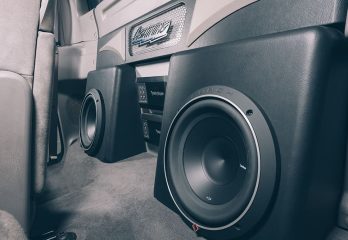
(151, 34)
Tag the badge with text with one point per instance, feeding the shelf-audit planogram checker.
(151, 34)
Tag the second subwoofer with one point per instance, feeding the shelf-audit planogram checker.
(110, 126)
(92, 120)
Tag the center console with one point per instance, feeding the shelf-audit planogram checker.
(151, 95)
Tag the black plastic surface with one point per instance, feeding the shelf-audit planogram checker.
(273, 16)
(299, 80)
(93, 3)
(70, 97)
(123, 130)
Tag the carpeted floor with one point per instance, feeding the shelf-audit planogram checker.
(106, 201)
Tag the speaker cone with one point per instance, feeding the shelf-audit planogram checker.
(211, 162)
(91, 121)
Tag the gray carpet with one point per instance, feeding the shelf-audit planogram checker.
(106, 201)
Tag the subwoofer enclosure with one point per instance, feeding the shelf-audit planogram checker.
(110, 126)
(274, 105)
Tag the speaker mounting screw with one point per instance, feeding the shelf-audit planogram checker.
(249, 112)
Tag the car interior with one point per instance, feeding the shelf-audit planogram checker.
(174, 119)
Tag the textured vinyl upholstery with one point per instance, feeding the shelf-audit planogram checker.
(10, 228)
(16, 99)
(26, 82)
(18, 30)
(31, 54)
(43, 94)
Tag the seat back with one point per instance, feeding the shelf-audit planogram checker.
(18, 31)
(27, 47)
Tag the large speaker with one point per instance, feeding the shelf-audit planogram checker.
(254, 135)
(110, 126)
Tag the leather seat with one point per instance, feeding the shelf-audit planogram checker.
(26, 89)
(10, 228)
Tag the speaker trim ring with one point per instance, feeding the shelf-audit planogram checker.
(181, 110)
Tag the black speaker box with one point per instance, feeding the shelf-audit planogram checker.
(254, 136)
(110, 125)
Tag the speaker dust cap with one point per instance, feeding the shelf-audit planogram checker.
(212, 159)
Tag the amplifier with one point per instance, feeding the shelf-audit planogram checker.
(152, 124)
(151, 92)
